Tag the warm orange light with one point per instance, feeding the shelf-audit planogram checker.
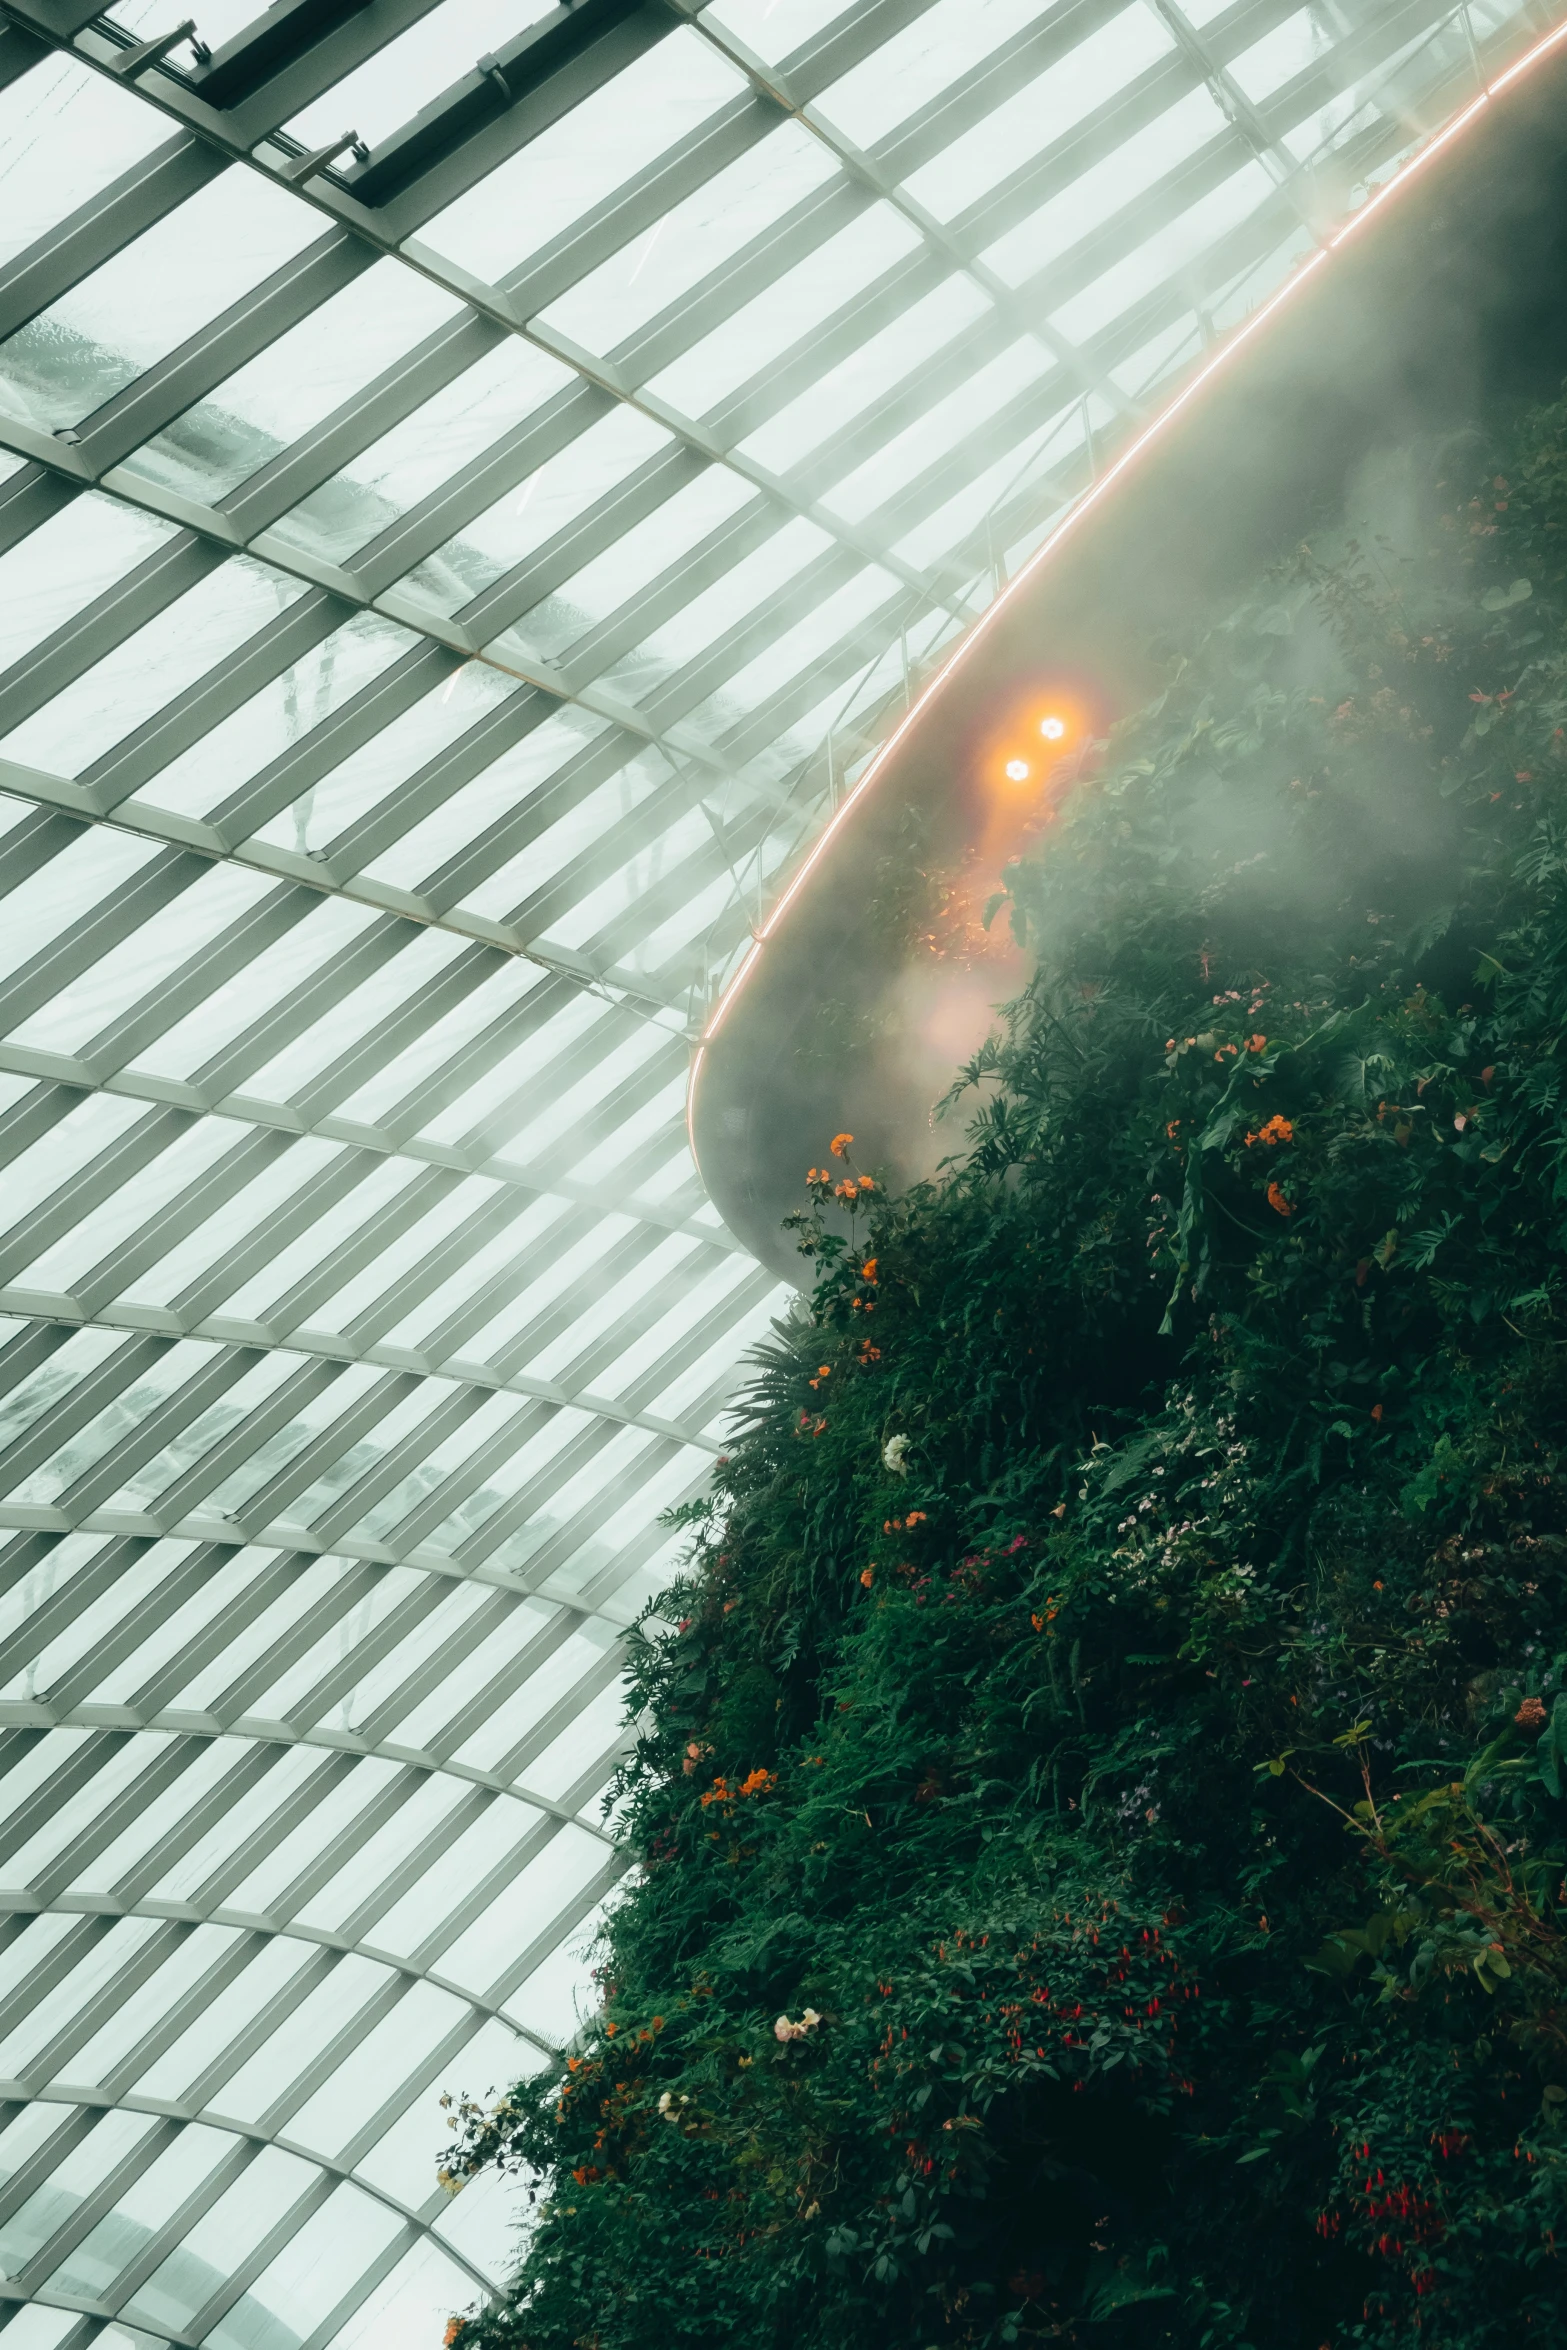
(1017, 771)
(1052, 729)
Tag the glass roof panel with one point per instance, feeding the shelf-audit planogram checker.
(65, 134)
(527, 203)
(551, 497)
(912, 341)
(1041, 112)
(776, 28)
(1166, 253)
(202, 780)
(136, 308)
(680, 248)
(1101, 191)
(119, 693)
(903, 458)
(392, 86)
(64, 565)
(623, 570)
(287, 388)
(921, 63)
(407, 463)
(790, 308)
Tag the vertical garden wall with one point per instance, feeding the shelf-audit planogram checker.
(1101, 1804)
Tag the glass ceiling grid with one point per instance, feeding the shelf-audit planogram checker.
(426, 583)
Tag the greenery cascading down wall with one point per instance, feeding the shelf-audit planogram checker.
(1101, 1800)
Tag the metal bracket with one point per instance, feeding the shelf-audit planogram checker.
(146, 53)
(305, 167)
(490, 66)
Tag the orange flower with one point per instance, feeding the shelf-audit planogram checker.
(1530, 1715)
(848, 1192)
(868, 1271)
(1277, 1201)
(869, 1354)
(758, 1782)
(839, 1144)
(824, 1370)
(453, 2329)
(1256, 1044)
(1276, 1131)
(867, 1576)
(866, 1184)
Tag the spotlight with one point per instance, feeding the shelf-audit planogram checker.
(1017, 771)
(1052, 729)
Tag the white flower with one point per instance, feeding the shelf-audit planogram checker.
(785, 2030)
(895, 1455)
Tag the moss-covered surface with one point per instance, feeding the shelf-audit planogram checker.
(1102, 1798)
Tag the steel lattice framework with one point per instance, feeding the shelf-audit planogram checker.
(475, 476)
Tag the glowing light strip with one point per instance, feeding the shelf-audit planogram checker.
(1237, 340)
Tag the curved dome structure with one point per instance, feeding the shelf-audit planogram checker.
(477, 480)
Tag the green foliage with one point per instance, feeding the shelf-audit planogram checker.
(1101, 1796)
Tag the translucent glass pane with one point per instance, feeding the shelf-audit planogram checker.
(366, 777)
(1041, 112)
(776, 28)
(551, 497)
(177, 276)
(393, 85)
(914, 340)
(65, 133)
(793, 650)
(1101, 191)
(1022, 470)
(143, 962)
(1288, 50)
(294, 382)
(786, 311)
(526, 1908)
(955, 418)
(920, 63)
(627, 567)
(722, 606)
(527, 202)
(585, 828)
(220, 21)
(260, 730)
(327, 932)
(432, 443)
(313, 2274)
(1169, 250)
(141, 1197)
(78, 1452)
(198, 630)
(108, 2143)
(678, 250)
(96, 864)
(503, 789)
(65, 564)
(221, 2239)
(411, 2307)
